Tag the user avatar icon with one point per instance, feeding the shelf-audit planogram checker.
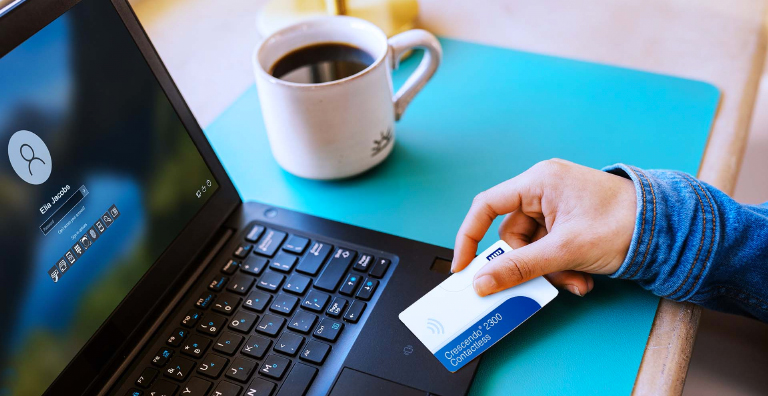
(29, 157)
(27, 151)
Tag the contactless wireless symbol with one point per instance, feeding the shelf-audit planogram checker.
(435, 327)
(29, 157)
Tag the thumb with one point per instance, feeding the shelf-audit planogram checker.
(520, 265)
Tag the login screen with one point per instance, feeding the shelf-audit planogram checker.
(99, 176)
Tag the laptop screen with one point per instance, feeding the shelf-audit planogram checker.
(98, 178)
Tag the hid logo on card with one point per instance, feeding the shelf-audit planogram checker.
(496, 253)
(457, 325)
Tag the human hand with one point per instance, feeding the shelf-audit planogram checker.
(564, 221)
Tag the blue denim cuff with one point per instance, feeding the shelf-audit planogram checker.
(676, 232)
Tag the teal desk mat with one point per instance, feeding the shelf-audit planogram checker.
(487, 115)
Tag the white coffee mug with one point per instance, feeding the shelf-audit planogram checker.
(344, 127)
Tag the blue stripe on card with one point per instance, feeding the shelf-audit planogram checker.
(486, 332)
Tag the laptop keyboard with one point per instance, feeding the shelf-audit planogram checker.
(267, 320)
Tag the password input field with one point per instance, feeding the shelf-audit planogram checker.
(63, 210)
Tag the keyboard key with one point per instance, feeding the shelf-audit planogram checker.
(212, 365)
(369, 287)
(205, 300)
(302, 321)
(334, 271)
(240, 369)
(380, 268)
(260, 387)
(226, 303)
(228, 343)
(284, 262)
(191, 318)
(331, 276)
(218, 283)
(179, 368)
(195, 346)
(271, 281)
(134, 392)
(274, 366)
(315, 352)
(254, 265)
(256, 346)
(313, 261)
(254, 234)
(211, 324)
(270, 325)
(146, 377)
(257, 301)
(315, 301)
(242, 321)
(225, 388)
(230, 267)
(284, 304)
(289, 344)
(163, 388)
(298, 380)
(363, 263)
(240, 283)
(328, 330)
(177, 337)
(196, 387)
(354, 312)
(296, 244)
(350, 284)
(297, 284)
(242, 251)
(162, 356)
(345, 256)
(337, 307)
(269, 243)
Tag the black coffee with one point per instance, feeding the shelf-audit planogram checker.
(321, 63)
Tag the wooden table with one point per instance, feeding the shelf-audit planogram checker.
(719, 42)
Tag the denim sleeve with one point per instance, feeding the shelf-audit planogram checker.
(694, 243)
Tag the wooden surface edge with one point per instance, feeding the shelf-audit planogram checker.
(668, 352)
(667, 355)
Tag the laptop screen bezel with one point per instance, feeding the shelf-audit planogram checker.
(103, 353)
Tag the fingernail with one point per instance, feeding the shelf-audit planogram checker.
(484, 285)
(573, 289)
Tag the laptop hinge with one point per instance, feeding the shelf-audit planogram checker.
(191, 280)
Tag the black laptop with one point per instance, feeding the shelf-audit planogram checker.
(130, 266)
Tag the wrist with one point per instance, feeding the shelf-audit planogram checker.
(674, 236)
(644, 221)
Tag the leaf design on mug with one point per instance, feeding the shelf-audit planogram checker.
(384, 140)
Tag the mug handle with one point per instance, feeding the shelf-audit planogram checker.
(433, 53)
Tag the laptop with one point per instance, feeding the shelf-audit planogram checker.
(132, 267)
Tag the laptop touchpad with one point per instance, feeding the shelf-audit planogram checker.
(355, 383)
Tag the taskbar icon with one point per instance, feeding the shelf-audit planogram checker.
(83, 243)
(58, 269)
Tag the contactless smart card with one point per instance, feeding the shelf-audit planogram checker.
(457, 325)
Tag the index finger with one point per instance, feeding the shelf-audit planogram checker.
(498, 200)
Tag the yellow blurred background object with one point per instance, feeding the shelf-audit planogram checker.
(392, 16)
